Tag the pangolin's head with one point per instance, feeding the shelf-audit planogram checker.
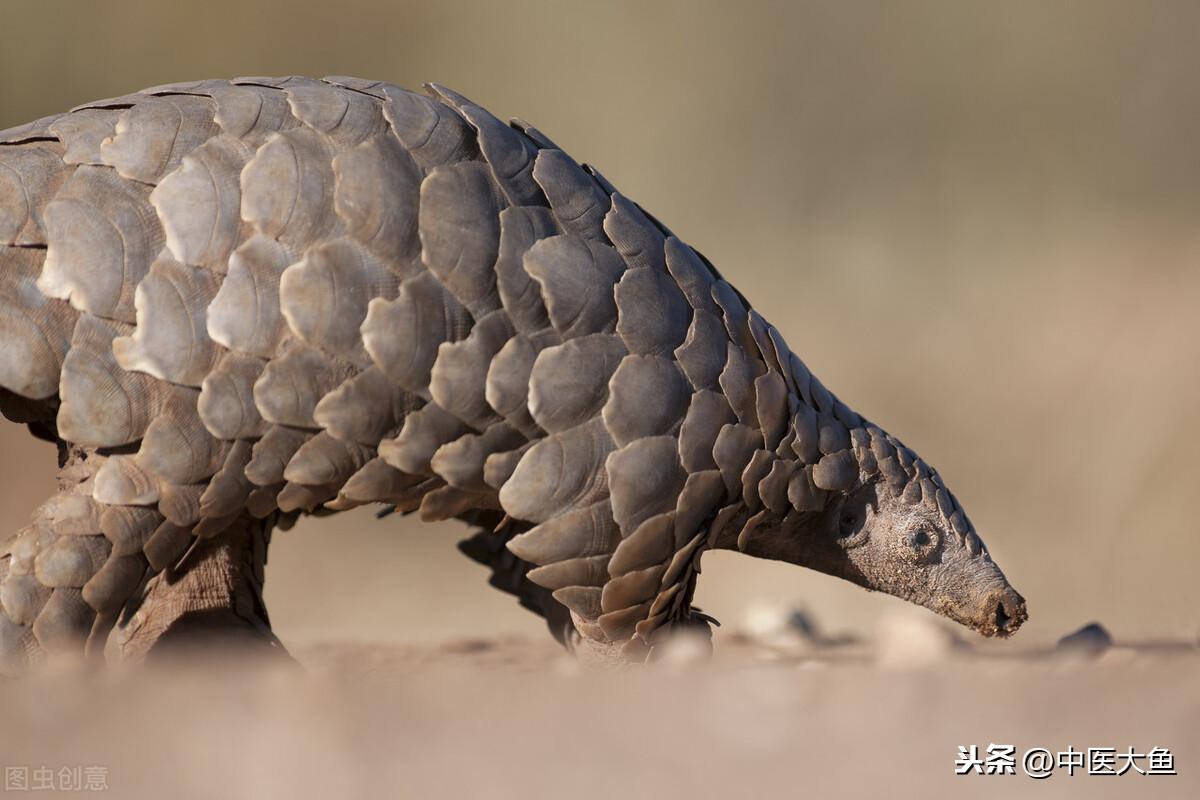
(878, 539)
(898, 529)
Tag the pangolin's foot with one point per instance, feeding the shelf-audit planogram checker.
(208, 605)
(685, 640)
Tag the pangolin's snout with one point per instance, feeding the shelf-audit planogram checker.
(1003, 612)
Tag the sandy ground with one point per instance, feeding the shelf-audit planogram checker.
(771, 714)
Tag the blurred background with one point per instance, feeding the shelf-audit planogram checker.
(977, 222)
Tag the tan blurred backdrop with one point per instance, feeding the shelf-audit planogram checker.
(977, 222)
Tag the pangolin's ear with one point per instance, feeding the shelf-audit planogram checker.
(850, 518)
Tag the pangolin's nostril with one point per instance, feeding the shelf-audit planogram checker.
(1008, 612)
(1002, 618)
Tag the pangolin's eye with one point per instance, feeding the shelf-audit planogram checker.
(923, 543)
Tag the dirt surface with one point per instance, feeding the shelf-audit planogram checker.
(771, 714)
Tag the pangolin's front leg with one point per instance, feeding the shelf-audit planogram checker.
(510, 574)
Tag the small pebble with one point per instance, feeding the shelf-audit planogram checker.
(1092, 639)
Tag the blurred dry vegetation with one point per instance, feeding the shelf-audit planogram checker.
(975, 221)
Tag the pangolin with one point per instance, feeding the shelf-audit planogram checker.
(234, 302)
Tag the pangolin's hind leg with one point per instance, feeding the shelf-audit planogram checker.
(85, 580)
(211, 598)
